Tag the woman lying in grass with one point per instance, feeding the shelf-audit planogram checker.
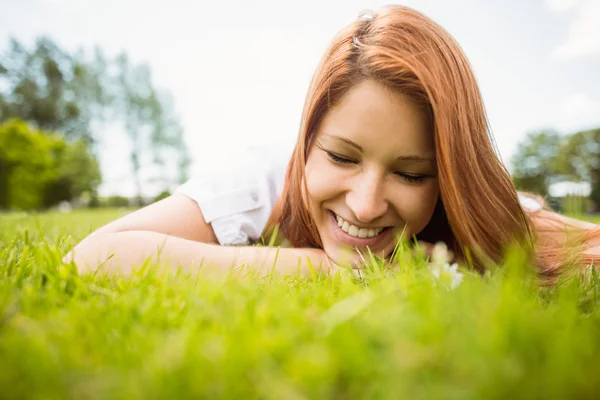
(393, 142)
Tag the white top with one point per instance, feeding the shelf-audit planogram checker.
(237, 197)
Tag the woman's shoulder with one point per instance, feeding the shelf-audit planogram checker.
(254, 166)
(237, 196)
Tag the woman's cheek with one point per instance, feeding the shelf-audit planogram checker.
(323, 180)
(416, 205)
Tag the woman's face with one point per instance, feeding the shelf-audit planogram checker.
(371, 173)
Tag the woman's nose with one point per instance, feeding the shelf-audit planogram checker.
(367, 199)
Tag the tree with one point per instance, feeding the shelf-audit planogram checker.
(52, 89)
(77, 173)
(536, 161)
(25, 166)
(580, 160)
(149, 120)
(72, 94)
(40, 169)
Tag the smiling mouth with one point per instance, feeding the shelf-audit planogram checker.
(355, 232)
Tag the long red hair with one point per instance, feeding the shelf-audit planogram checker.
(478, 213)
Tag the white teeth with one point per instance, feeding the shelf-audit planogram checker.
(356, 231)
(353, 231)
(345, 226)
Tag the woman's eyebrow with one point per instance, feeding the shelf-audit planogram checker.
(413, 158)
(345, 140)
(416, 158)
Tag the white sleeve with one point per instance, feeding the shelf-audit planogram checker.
(237, 198)
(529, 204)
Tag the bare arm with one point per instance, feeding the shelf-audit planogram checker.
(549, 221)
(123, 251)
(173, 231)
(177, 215)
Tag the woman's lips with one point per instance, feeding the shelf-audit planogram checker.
(352, 241)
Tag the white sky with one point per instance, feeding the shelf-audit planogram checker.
(239, 70)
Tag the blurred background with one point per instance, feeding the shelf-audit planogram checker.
(108, 103)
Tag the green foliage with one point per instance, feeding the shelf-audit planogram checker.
(27, 165)
(390, 334)
(149, 120)
(114, 201)
(39, 169)
(160, 196)
(575, 205)
(580, 159)
(52, 89)
(78, 173)
(535, 161)
(81, 97)
(546, 157)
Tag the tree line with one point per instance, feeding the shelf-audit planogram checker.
(546, 157)
(56, 105)
(56, 108)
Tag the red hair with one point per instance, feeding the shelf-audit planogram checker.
(479, 210)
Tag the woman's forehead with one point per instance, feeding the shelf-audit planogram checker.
(371, 115)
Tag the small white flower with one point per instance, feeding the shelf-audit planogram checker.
(440, 254)
(446, 274)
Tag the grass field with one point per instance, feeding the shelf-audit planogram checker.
(387, 335)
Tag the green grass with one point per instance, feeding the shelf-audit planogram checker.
(390, 334)
(595, 218)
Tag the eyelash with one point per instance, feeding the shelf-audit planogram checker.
(344, 161)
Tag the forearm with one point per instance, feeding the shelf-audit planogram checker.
(123, 251)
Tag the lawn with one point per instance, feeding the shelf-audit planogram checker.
(386, 335)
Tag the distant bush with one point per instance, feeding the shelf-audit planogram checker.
(40, 169)
(162, 195)
(576, 204)
(114, 202)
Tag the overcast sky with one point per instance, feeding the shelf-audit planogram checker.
(239, 70)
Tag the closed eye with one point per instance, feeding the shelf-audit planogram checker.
(412, 178)
(339, 159)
